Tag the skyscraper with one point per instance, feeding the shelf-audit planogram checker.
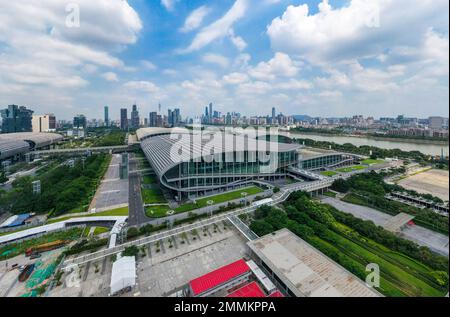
(79, 122)
(124, 119)
(169, 117)
(134, 118)
(153, 119)
(106, 116)
(210, 112)
(273, 115)
(16, 119)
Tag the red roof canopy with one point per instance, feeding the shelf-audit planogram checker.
(251, 290)
(218, 277)
(276, 294)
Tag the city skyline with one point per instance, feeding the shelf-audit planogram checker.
(187, 54)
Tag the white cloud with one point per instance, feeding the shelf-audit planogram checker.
(235, 78)
(220, 28)
(216, 59)
(110, 76)
(195, 19)
(37, 48)
(142, 86)
(169, 4)
(148, 65)
(281, 65)
(237, 41)
(363, 28)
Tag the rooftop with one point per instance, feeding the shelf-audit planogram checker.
(305, 270)
(251, 290)
(218, 277)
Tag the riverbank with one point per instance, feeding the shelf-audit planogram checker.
(374, 137)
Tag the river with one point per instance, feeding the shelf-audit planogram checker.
(405, 145)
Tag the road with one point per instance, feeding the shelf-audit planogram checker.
(422, 236)
(137, 215)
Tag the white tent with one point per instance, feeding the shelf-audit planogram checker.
(123, 274)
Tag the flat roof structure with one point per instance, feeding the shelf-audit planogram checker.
(304, 270)
(251, 290)
(123, 274)
(221, 276)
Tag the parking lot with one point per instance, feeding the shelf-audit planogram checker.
(163, 267)
(113, 191)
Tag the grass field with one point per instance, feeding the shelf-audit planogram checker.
(100, 230)
(114, 212)
(351, 168)
(152, 196)
(400, 274)
(148, 180)
(330, 194)
(161, 211)
(328, 173)
(372, 162)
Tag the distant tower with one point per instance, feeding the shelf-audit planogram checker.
(159, 108)
(210, 112)
(106, 116)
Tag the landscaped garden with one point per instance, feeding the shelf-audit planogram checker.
(351, 168)
(109, 213)
(164, 210)
(328, 173)
(372, 162)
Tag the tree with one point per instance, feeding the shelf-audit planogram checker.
(131, 251)
(341, 186)
(261, 227)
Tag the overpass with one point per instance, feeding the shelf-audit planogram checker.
(101, 149)
(278, 198)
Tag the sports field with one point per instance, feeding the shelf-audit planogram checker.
(434, 182)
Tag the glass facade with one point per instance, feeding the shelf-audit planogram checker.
(320, 162)
(200, 175)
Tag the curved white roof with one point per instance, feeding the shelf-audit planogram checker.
(19, 143)
(163, 153)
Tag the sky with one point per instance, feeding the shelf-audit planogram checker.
(330, 58)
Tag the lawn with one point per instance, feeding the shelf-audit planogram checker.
(351, 168)
(330, 194)
(114, 212)
(372, 162)
(100, 230)
(158, 211)
(328, 173)
(152, 196)
(161, 211)
(148, 180)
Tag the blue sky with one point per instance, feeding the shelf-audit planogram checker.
(322, 58)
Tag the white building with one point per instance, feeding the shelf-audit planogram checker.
(43, 123)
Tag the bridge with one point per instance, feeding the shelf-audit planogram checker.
(101, 149)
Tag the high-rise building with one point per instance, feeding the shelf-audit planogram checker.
(79, 122)
(134, 118)
(16, 119)
(106, 116)
(124, 119)
(153, 119)
(228, 120)
(273, 114)
(45, 123)
(210, 112)
(436, 123)
(169, 117)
